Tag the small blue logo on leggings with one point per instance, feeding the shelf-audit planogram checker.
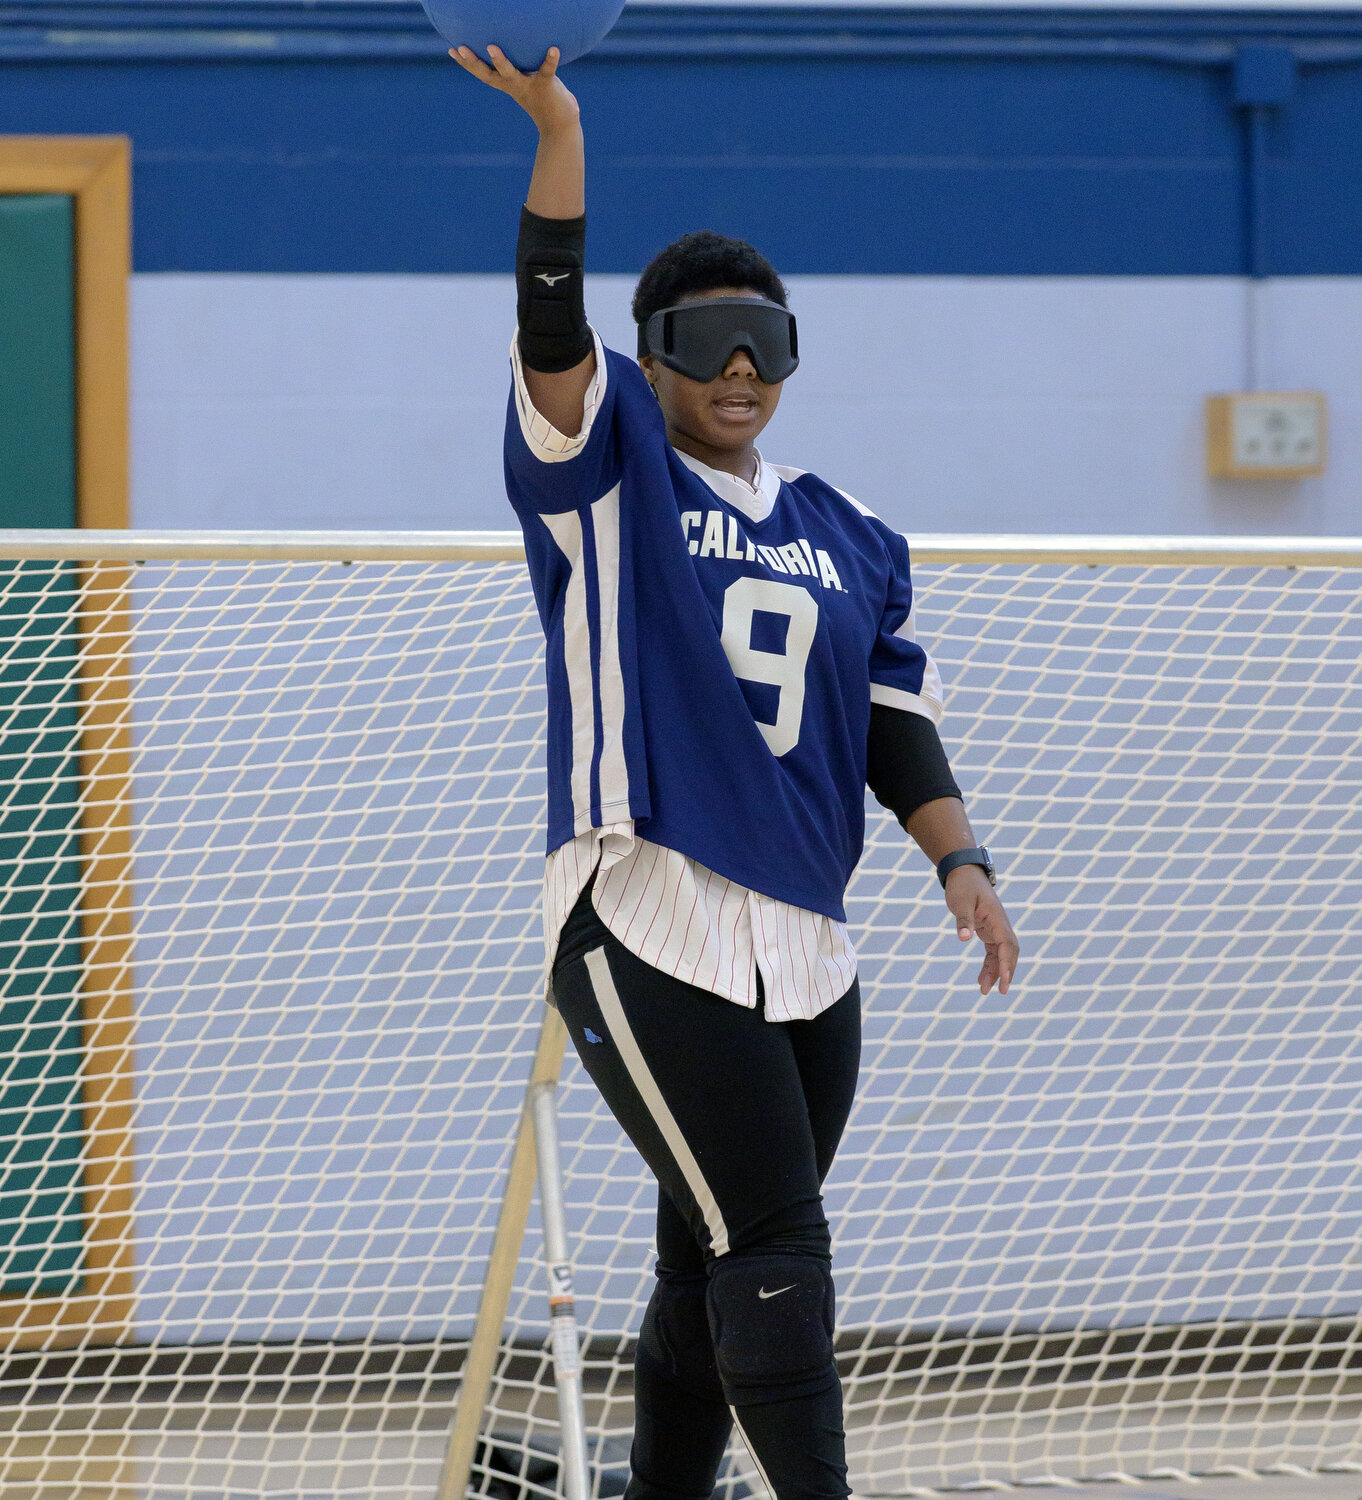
(591, 1035)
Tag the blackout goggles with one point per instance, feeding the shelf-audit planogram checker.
(697, 339)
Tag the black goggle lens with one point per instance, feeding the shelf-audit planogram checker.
(697, 339)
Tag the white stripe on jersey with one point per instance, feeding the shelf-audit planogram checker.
(614, 773)
(699, 927)
(566, 530)
(933, 690)
(585, 684)
(912, 703)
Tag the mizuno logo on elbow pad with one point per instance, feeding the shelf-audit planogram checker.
(552, 280)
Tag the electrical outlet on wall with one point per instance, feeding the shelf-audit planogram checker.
(1265, 435)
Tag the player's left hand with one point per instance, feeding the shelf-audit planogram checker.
(976, 908)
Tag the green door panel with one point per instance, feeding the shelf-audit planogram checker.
(37, 361)
(41, 1226)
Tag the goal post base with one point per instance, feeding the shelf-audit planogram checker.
(501, 1269)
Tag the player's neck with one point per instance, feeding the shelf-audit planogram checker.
(741, 462)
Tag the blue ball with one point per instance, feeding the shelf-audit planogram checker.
(524, 29)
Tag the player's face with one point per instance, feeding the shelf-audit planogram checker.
(724, 414)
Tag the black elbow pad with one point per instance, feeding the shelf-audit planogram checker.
(906, 763)
(550, 261)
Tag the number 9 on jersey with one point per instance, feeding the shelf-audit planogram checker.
(783, 670)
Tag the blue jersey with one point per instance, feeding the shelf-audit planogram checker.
(710, 675)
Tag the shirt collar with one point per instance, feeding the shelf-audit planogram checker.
(756, 501)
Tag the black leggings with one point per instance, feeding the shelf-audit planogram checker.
(739, 1119)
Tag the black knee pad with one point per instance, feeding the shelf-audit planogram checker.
(770, 1315)
(675, 1341)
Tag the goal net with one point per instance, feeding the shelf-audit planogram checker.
(270, 847)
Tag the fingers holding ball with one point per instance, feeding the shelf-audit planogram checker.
(526, 31)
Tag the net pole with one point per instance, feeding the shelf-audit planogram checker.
(501, 1269)
(567, 1355)
(107, 919)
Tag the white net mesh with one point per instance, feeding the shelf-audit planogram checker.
(1106, 1225)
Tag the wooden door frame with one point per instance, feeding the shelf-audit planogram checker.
(96, 171)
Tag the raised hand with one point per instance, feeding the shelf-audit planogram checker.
(557, 191)
(541, 94)
(558, 185)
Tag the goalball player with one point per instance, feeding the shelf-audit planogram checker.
(731, 661)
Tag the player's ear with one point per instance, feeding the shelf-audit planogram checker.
(646, 364)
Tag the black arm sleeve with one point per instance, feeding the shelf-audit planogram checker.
(906, 765)
(550, 258)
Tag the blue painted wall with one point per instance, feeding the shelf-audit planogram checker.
(334, 136)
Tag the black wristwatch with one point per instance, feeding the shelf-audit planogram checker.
(979, 856)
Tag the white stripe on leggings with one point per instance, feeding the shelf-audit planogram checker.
(607, 997)
(742, 1433)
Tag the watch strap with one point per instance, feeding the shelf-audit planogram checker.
(979, 856)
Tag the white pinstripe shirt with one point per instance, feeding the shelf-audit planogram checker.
(693, 924)
(664, 907)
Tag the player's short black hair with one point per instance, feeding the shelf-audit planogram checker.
(700, 262)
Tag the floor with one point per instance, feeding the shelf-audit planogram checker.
(347, 1453)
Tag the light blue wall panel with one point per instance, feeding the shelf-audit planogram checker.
(944, 403)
